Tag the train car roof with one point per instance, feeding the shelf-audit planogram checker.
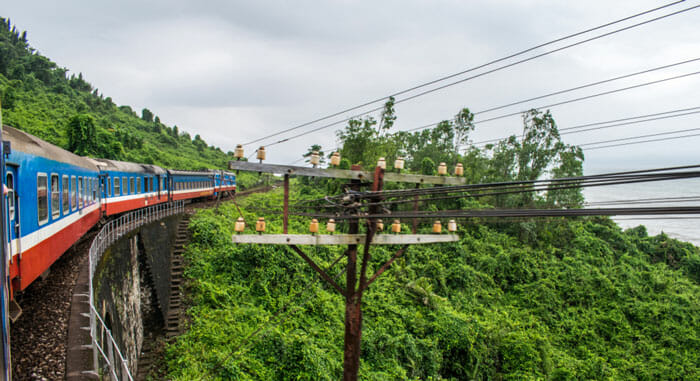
(189, 173)
(24, 142)
(218, 172)
(125, 166)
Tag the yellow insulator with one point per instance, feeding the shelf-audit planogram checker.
(452, 226)
(330, 226)
(396, 227)
(238, 152)
(381, 163)
(437, 227)
(459, 170)
(335, 159)
(315, 159)
(313, 226)
(399, 163)
(380, 225)
(260, 225)
(261, 153)
(442, 169)
(240, 225)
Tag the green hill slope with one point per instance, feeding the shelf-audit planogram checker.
(583, 300)
(38, 97)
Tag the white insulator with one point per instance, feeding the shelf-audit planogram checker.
(381, 163)
(442, 169)
(452, 226)
(380, 225)
(459, 170)
(315, 158)
(335, 159)
(261, 153)
(240, 225)
(399, 163)
(330, 226)
(238, 153)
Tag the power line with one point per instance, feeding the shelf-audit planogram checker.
(514, 113)
(592, 96)
(352, 200)
(639, 137)
(588, 85)
(644, 141)
(606, 124)
(474, 76)
(462, 72)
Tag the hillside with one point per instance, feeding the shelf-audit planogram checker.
(582, 299)
(40, 97)
(515, 299)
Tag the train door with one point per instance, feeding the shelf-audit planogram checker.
(103, 192)
(12, 208)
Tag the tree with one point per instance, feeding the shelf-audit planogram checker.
(540, 152)
(463, 125)
(388, 116)
(147, 115)
(82, 135)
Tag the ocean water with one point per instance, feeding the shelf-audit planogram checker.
(685, 228)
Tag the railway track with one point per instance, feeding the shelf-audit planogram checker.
(40, 336)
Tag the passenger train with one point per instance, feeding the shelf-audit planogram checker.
(53, 197)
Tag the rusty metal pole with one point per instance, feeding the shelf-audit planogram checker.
(353, 300)
(286, 203)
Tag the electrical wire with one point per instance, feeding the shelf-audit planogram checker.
(568, 132)
(624, 175)
(643, 141)
(474, 76)
(640, 137)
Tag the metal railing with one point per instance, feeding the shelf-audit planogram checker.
(103, 342)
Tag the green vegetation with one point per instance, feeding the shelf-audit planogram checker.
(538, 299)
(40, 98)
(584, 300)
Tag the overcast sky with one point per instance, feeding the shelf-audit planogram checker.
(234, 71)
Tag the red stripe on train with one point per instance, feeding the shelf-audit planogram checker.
(41, 256)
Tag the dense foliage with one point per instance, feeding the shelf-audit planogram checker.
(39, 97)
(555, 299)
(585, 300)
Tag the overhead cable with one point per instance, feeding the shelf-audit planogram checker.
(474, 76)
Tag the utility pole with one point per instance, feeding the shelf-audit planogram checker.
(353, 290)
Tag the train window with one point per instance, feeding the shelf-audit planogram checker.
(117, 187)
(165, 185)
(138, 184)
(73, 193)
(65, 199)
(94, 189)
(150, 184)
(42, 196)
(80, 192)
(55, 197)
(132, 188)
(109, 187)
(91, 190)
(11, 195)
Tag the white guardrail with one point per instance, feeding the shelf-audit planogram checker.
(103, 342)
